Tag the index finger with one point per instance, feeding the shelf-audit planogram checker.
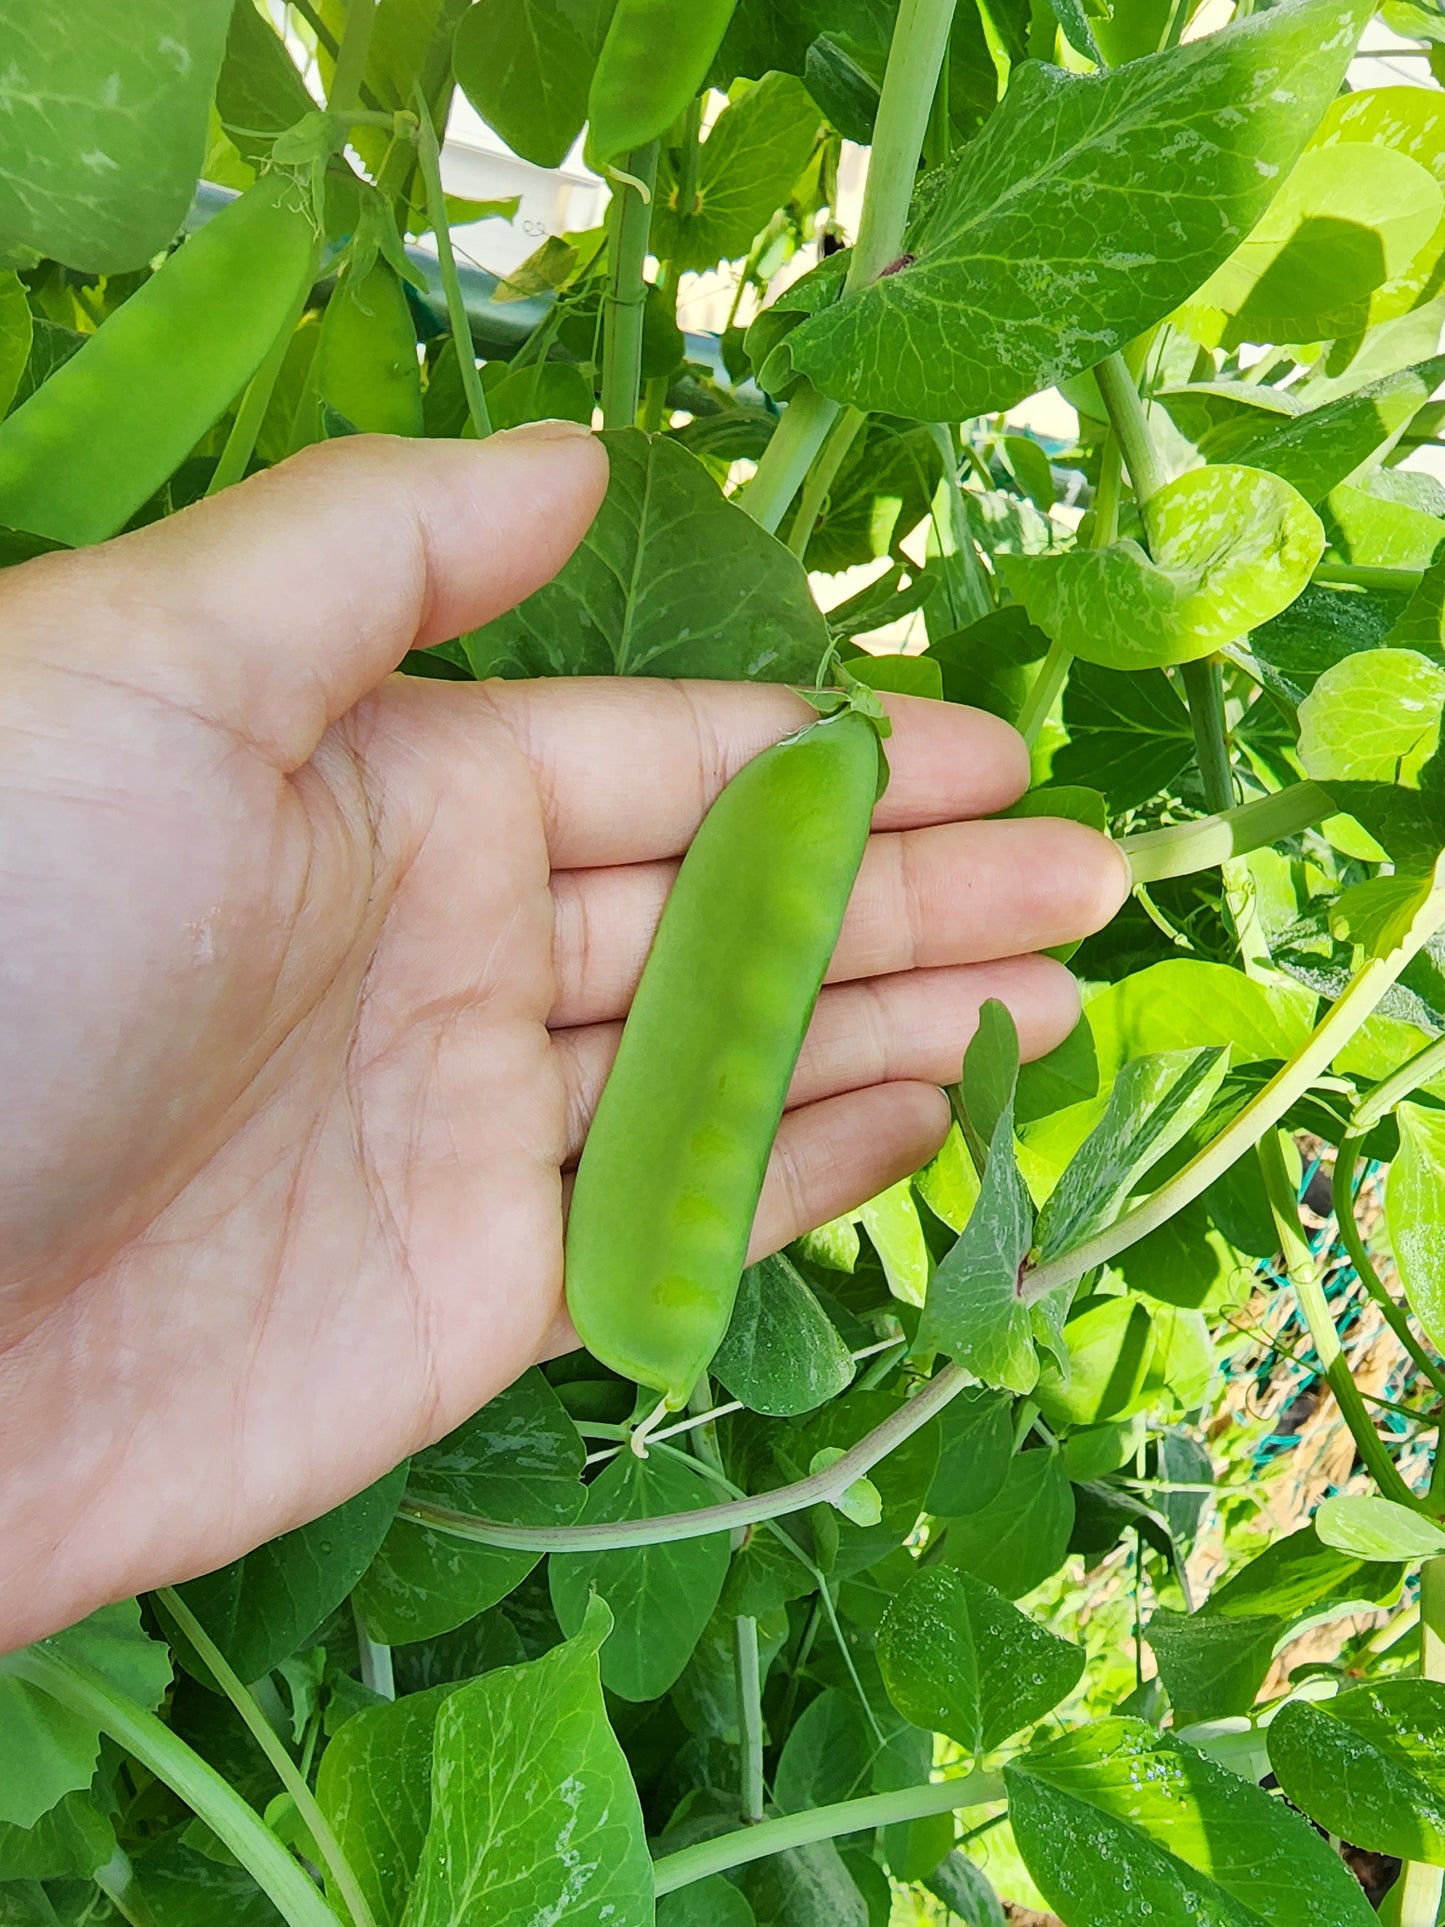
(627, 767)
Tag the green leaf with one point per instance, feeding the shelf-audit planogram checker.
(1317, 449)
(1373, 718)
(259, 93)
(374, 1786)
(881, 492)
(1022, 1535)
(904, 675)
(827, 1755)
(714, 1902)
(1212, 1667)
(974, 1311)
(1129, 734)
(181, 1887)
(990, 1078)
(534, 1813)
(1110, 1345)
(1116, 1821)
(754, 153)
(1369, 1527)
(1415, 1214)
(103, 120)
(1085, 211)
(671, 580)
(520, 1459)
(661, 1596)
(526, 66)
(959, 1659)
(975, 1452)
(1369, 1765)
(1318, 630)
(966, 1892)
(805, 1887)
(16, 329)
(1378, 533)
(1232, 546)
(71, 1839)
(1350, 218)
(1154, 1101)
(47, 1751)
(260, 1608)
(782, 1353)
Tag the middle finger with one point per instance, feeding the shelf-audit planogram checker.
(955, 893)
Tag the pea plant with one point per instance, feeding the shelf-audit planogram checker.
(808, 1648)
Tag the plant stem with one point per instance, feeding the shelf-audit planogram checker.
(429, 159)
(1361, 576)
(1420, 1885)
(1204, 689)
(821, 477)
(915, 56)
(1184, 848)
(624, 306)
(1303, 1271)
(750, 1714)
(955, 538)
(681, 1869)
(344, 93)
(656, 400)
(377, 1671)
(820, 1488)
(284, 1767)
(1126, 417)
(1262, 1113)
(241, 441)
(1103, 530)
(80, 1687)
(1342, 1186)
(1414, 1072)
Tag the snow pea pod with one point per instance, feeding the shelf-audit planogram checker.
(673, 1165)
(99, 437)
(366, 359)
(653, 62)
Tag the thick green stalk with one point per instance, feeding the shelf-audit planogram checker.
(1303, 1271)
(282, 1764)
(1420, 1885)
(624, 306)
(915, 56)
(1343, 1193)
(1261, 1114)
(1127, 419)
(430, 160)
(344, 93)
(821, 477)
(1103, 530)
(88, 1692)
(727, 1850)
(1360, 575)
(1204, 689)
(750, 1715)
(1184, 848)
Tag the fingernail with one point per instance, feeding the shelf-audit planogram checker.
(554, 429)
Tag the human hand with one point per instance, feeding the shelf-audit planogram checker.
(312, 976)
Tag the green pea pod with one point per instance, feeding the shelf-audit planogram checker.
(100, 436)
(367, 367)
(674, 1162)
(653, 62)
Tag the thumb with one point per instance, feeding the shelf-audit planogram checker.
(272, 608)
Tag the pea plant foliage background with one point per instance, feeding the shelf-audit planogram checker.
(946, 1593)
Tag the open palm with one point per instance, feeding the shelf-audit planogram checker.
(312, 975)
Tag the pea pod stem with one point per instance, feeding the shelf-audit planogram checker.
(80, 1687)
(751, 1843)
